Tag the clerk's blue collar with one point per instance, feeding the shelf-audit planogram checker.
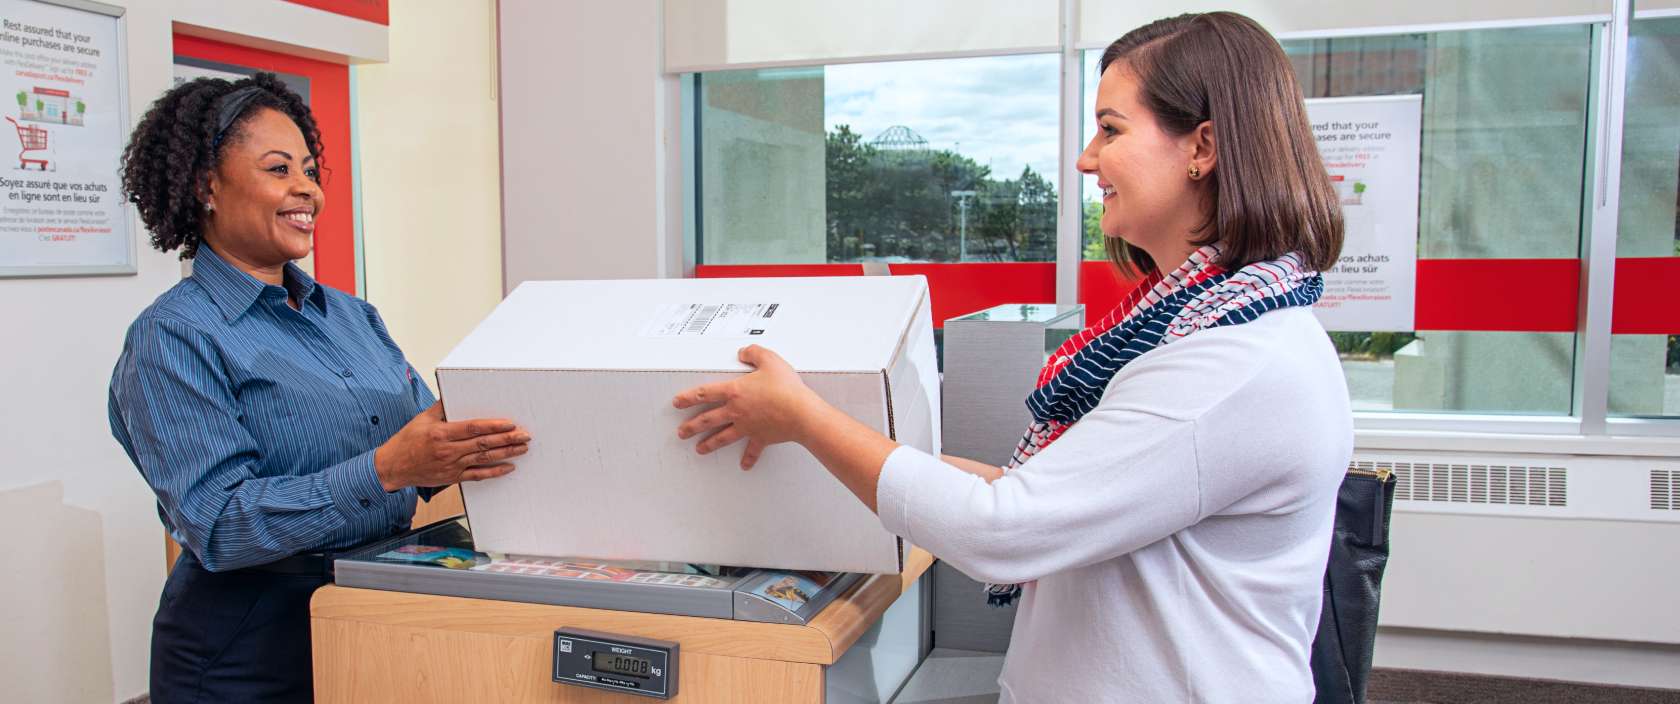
(234, 291)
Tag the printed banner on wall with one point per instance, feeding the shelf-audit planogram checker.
(1371, 147)
(61, 93)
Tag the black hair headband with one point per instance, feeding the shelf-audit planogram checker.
(232, 105)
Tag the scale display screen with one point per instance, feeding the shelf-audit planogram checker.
(618, 663)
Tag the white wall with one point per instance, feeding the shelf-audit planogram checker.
(428, 160)
(84, 539)
(719, 33)
(1586, 600)
(588, 122)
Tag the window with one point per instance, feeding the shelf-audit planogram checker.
(953, 163)
(949, 160)
(1505, 115)
(1645, 354)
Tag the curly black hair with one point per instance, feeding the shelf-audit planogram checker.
(173, 151)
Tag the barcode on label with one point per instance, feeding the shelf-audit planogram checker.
(701, 320)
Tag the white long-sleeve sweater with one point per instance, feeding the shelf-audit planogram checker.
(1173, 541)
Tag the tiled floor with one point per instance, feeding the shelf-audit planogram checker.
(954, 677)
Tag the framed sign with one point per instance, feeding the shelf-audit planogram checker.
(64, 98)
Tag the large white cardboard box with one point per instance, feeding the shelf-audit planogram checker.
(590, 368)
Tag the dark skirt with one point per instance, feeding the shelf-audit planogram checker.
(240, 636)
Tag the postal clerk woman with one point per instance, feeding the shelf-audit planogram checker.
(1167, 515)
(273, 417)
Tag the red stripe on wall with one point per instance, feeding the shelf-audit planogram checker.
(377, 11)
(1502, 295)
(1645, 302)
(1505, 295)
(1515, 295)
(960, 289)
(329, 100)
(1100, 288)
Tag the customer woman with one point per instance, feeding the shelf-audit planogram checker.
(274, 417)
(1168, 513)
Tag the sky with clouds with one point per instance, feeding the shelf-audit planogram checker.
(999, 110)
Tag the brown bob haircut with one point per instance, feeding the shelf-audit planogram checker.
(1268, 193)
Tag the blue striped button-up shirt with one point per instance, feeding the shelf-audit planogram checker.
(255, 424)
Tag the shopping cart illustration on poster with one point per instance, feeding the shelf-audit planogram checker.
(33, 139)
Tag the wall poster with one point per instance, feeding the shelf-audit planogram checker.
(1371, 147)
(64, 97)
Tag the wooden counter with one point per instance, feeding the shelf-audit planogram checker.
(372, 645)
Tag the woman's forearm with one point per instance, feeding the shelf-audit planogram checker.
(852, 452)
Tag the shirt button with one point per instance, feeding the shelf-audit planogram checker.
(347, 373)
(374, 420)
(366, 503)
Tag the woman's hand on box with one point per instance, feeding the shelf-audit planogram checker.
(765, 407)
(431, 451)
(772, 405)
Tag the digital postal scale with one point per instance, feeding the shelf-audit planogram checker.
(439, 559)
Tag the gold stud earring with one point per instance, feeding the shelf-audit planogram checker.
(1195, 172)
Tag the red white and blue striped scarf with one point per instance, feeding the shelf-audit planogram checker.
(1162, 309)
